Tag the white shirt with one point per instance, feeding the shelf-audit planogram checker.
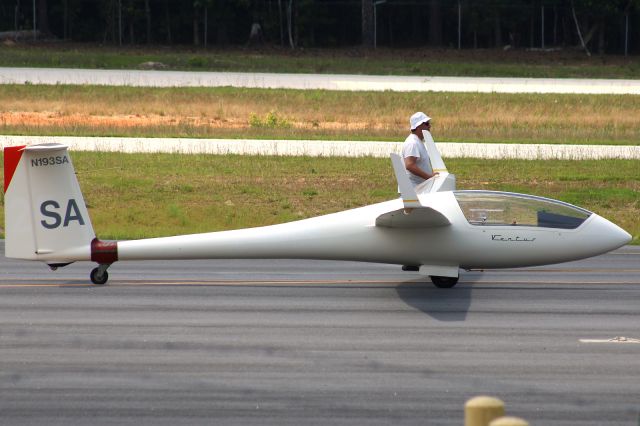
(414, 147)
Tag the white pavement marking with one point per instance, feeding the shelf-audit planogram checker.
(324, 148)
(317, 81)
(620, 339)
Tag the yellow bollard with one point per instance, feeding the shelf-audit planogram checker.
(509, 421)
(479, 411)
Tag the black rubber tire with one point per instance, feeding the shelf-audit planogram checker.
(444, 282)
(98, 279)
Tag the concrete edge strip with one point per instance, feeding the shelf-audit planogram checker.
(150, 78)
(326, 148)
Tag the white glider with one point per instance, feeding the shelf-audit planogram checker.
(432, 228)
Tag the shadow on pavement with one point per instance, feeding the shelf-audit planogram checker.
(442, 304)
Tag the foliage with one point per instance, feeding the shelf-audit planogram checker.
(270, 121)
(330, 23)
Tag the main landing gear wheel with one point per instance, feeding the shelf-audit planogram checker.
(99, 275)
(443, 282)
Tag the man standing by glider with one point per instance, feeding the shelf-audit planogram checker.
(414, 153)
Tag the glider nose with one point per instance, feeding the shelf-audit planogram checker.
(607, 235)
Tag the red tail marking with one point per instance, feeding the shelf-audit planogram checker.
(12, 155)
(104, 251)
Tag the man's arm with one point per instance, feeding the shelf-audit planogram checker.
(410, 163)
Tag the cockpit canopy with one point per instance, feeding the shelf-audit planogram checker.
(491, 208)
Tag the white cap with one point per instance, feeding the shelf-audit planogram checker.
(417, 119)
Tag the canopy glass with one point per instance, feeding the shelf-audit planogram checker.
(487, 208)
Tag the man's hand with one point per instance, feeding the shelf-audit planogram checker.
(410, 163)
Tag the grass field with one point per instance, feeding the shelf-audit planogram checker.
(147, 195)
(316, 114)
(444, 62)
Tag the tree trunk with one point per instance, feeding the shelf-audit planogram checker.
(555, 25)
(281, 24)
(567, 31)
(206, 26)
(390, 22)
(65, 19)
(289, 24)
(497, 29)
(147, 14)
(167, 16)
(196, 29)
(435, 24)
(113, 15)
(16, 16)
(417, 26)
(601, 41)
(296, 27)
(532, 30)
(43, 18)
(367, 23)
(575, 19)
(120, 35)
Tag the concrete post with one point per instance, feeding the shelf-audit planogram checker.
(509, 421)
(479, 411)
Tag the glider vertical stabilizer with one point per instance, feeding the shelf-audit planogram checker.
(437, 164)
(407, 192)
(45, 214)
(444, 181)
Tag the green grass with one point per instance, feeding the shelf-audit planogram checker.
(317, 114)
(444, 62)
(148, 195)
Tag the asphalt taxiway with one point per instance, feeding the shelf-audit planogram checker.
(301, 342)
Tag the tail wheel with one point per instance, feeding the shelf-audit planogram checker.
(99, 276)
(444, 282)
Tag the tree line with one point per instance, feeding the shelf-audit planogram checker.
(596, 26)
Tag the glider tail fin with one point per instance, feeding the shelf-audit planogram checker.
(45, 214)
(445, 181)
(407, 192)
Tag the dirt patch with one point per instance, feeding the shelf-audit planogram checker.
(50, 118)
(38, 119)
